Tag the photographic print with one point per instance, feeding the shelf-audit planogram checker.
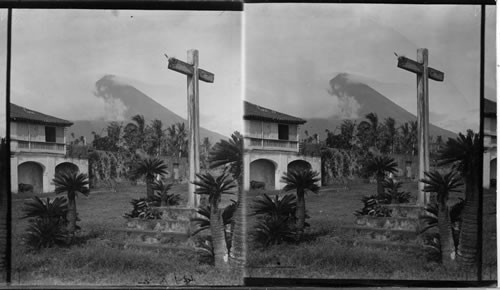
(4, 175)
(362, 147)
(121, 124)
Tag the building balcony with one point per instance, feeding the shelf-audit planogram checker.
(271, 144)
(37, 147)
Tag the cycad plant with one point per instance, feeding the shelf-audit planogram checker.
(71, 184)
(161, 190)
(465, 154)
(430, 218)
(214, 188)
(230, 153)
(393, 193)
(149, 168)
(442, 185)
(202, 221)
(301, 181)
(380, 166)
(47, 222)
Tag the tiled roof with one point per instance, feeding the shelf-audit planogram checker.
(21, 114)
(255, 112)
(490, 108)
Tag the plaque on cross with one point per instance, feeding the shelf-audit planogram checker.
(193, 73)
(424, 73)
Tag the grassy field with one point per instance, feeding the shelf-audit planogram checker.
(93, 260)
(323, 255)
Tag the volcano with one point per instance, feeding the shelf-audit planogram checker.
(359, 99)
(126, 101)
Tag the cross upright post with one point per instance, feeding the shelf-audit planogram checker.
(423, 72)
(193, 73)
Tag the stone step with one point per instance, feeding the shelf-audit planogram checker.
(388, 245)
(405, 210)
(393, 223)
(160, 225)
(154, 237)
(177, 213)
(381, 234)
(157, 247)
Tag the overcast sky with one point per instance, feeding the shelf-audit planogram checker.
(293, 50)
(58, 55)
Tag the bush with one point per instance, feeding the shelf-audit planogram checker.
(44, 233)
(285, 207)
(203, 221)
(393, 193)
(430, 219)
(144, 209)
(161, 195)
(47, 222)
(276, 219)
(274, 230)
(372, 207)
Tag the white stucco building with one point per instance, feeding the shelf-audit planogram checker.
(38, 149)
(271, 142)
(490, 144)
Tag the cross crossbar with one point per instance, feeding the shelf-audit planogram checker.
(187, 69)
(415, 67)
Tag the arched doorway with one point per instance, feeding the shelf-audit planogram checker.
(298, 165)
(263, 171)
(30, 177)
(493, 173)
(67, 167)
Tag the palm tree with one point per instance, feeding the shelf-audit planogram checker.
(215, 187)
(135, 132)
(230, 153)
(71, 183)
(465, 154)
(301, 181)
(177, 140)
(390, 133)
(380, 166)
(149, 168)
(442, 185)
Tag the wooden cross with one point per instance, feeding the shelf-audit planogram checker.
(424, 72)
(193, 73)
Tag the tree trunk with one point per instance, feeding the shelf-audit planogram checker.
(446, 236)
(218, 237)
(380, 187)
(71, 215)
(468, 242)
(149, 188)
(238, 245)
(301, 212)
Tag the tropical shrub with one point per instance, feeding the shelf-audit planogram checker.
(430, 219)
(379, 166)
(214, 188)
(393, 193)
(203, 221)
(162, 196)
(442, 186)
(301, 181)
(44, 233)
(48, 222)
(144, 209)
(372, 207)
(71, 184)
(274, 230)
(277, 207)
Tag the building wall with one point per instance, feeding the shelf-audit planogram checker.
(268, 130)
(490, 151)
(280, 160)
(34, 132)
(48, 163)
